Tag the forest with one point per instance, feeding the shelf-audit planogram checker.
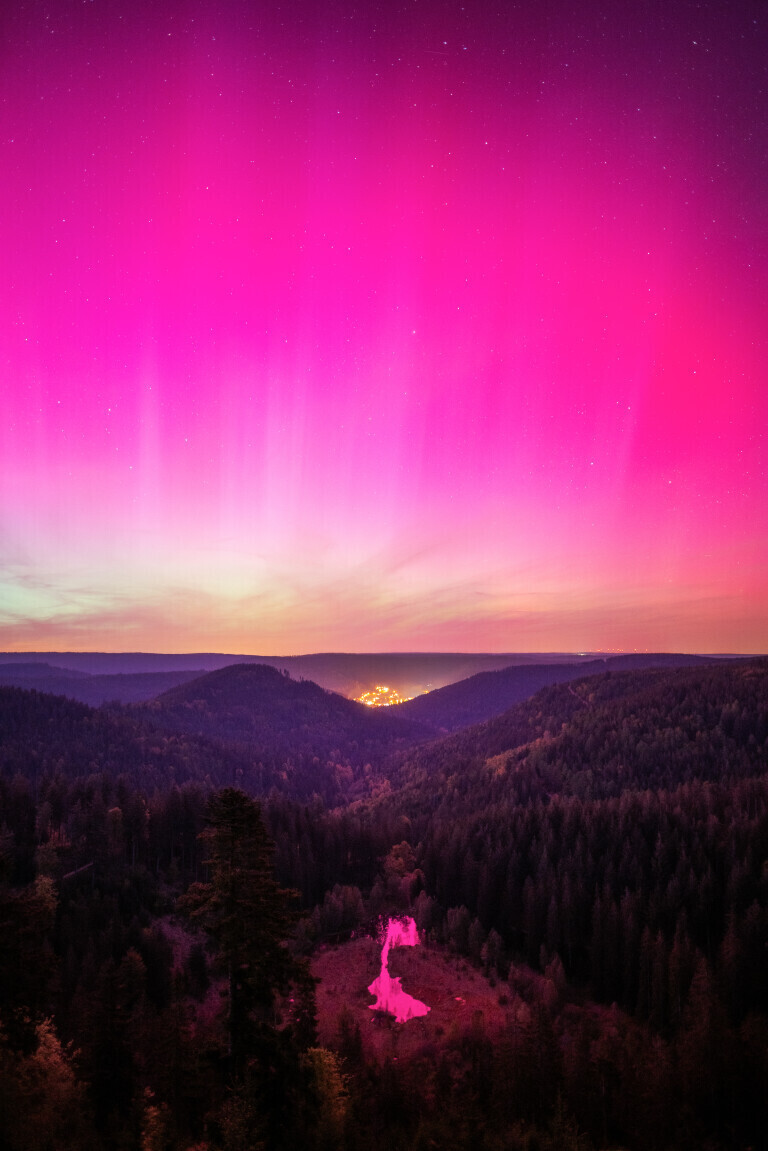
(178, 877)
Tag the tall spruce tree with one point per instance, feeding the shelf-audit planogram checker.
(249, 917)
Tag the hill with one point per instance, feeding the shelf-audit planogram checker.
(298, 729)
(620, 821)
(47, 736)
(246, 724)
(489, 693)
(600, 736)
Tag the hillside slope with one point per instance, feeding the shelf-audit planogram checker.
(598, 736)
(45, 735)
(296, 729)
(489, 693)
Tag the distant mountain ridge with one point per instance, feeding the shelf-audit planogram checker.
(134, 677)
(94, 690)
(348, 673)
(35, 670)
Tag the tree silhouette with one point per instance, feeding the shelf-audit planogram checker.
(248, 915)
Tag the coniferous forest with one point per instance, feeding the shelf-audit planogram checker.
(588, 872)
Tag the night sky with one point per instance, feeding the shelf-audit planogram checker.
(384, 326)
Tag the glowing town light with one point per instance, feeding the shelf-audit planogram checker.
(382, 696)
(389, 994)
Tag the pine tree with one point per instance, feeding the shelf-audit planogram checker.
(248, 915)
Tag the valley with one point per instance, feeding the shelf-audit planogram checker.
(194, 886)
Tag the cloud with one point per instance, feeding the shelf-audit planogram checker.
(389, 601)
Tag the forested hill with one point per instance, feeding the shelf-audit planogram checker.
(615, 829)
(255, 705)
(489, 693)
(44, 737)
(598, 737)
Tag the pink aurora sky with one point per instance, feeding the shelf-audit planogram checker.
(384, 326)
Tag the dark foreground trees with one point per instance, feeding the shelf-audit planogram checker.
(615, 837)
(249, 917)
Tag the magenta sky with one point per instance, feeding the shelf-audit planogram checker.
(397, 326)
